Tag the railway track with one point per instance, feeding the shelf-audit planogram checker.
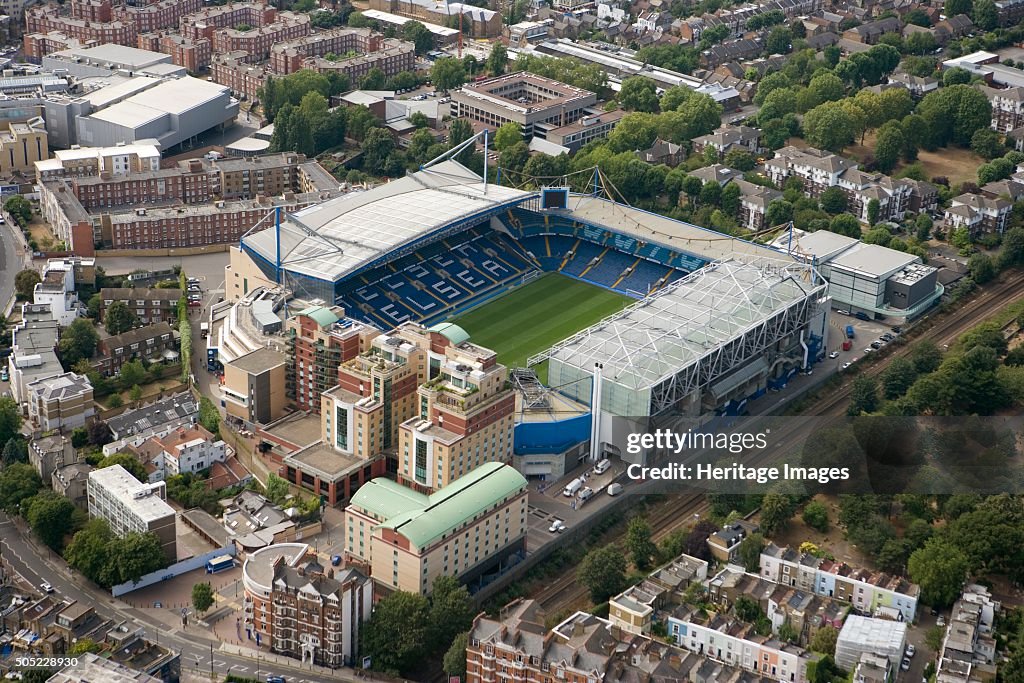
(669, 515)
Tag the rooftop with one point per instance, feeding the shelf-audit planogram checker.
(331, 240)
(424, 521)
(118, 55)
(260, 360)
(141, 498)
(328, 463)
(91, 667)
(178, 407)
(62, 387)
(259, 567)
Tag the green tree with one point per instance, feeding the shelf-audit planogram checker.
(359, 20)
(448, 73)
(209, 416)
(82, 646)
(377, 150)
(954, 113)
(639, 544)
(982, 268)
(987, 143)
(16, 450)
(603, 572)
(459, 131)
(776, 511)
(985, 15)
(88, 551)
(825, 87)
(10, 420)
(730, 200)
(78, 341)
(635, 131)
(451, 612)
(925, 356)
(898, 377)
(507, 135)
(833, 200)
(845, 224)
(49, 515)
(135, 394)
(127, 461)
(816, 516)
(119, 318)
(455, 657)
(497, 60)
(749, 552)
(923, 226)
(639, 93)
(889, 145)
(18, 482)
(920, 43)
(202, 596)
(419, 35)
(276, 489)
(703, 113)
(824, 640)
(131, 557)
(863, 396)
(829, 126)
(740, 159)
(132, 373)
(515, 157)
(779, 211)
(873, 209)
(779, 41)
(20, 209)
(395, 637)
(940, 569)
(360, 122)
(25, 282)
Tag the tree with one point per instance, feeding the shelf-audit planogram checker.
(515, 157)
(825, 87)
(954, 113)
(459, 131)
(455, 657)
(730, 199)
(20, 210)
(889, 146)
(824, 640)
(209, 416)
(710, 194)
(920, 43)
(25, 282)
(779, 211)
(497, 60)
(78, 341)
(374, 79)
(127, 461)
(131, 557)
(740, 159)
(603, 572)
(985, 15)
(639, 93)
(845, 224)
(276, 489)
(448, 73)
(776, 511)
(749, 552)
(15, 450)
(18, 482)
(419, 35)
(119, 318)
(874, 207)
(135, 394)
(940, 568)
(395, 637)
(863, 396)
(779, 41)
(639, 543)
(987, 143)
(925, 356)
(897, 378)
(49, 514)
(507, 135)
(10, 420)
(954, 7)
(202, 596)
(377, 150)
(635, 131)
(982, 268)
(88, 550)
(829, 126)
(816, 516)
(82, 646)
(132, 373)
(833, 200)
(451, 612)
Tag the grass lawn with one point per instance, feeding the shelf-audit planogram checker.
(531, 318)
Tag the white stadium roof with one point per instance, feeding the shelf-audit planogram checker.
(333, 239)
(676, 327)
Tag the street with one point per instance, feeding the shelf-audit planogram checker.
(12, 260)
(200, 651)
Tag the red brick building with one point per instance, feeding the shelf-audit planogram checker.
(194, 55)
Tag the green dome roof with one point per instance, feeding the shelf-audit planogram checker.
(323, 316)
(455, 334)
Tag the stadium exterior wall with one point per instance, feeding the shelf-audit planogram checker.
(551, 437)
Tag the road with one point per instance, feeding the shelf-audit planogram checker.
(194, 643)
(12, 260)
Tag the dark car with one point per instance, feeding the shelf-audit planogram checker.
(862, 316)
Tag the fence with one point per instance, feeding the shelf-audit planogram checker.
(176, 569)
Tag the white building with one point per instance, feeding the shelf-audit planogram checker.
(57, 289)
(119, 160)
(188, 449)
(34, 355)
(130, 506)
(862, 635)
(61, 403)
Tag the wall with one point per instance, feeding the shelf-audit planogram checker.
(179, 251)
(551, 437)
(176, 569)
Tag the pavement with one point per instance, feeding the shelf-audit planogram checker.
(202, 651)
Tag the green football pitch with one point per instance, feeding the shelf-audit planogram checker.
(531, 318)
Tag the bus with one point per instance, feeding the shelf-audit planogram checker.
(219, 564)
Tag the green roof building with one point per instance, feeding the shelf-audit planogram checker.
(469, 528)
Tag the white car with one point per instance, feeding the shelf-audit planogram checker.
(941, 621)
(905, 665)
(46, 587)
(846, 365)
(834, 354)
(557, 526)
(911, 651)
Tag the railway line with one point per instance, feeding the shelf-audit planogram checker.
(944, 329)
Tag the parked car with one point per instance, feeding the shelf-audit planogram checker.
(557, 527)
(877, 345)
(846, 365)
(911, 651)
(941, 621)
(905, 665)
(842, 311)
(335, 560)
(46, 587)
(862, 316)
(869, 350)
(4, 375)
(834, 354)
(614, 489)
(897, 329)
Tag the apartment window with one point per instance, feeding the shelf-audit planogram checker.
(341, 428)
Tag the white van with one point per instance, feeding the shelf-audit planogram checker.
(586, 494)
(572, 487)
(602, 466)
(614, 489)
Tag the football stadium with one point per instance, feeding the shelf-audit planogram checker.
(674, 318)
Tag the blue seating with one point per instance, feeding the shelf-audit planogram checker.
(608, 271)
(643, 277)
(584, 254)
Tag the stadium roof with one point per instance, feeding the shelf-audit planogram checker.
(333, 239)
(674, 328)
